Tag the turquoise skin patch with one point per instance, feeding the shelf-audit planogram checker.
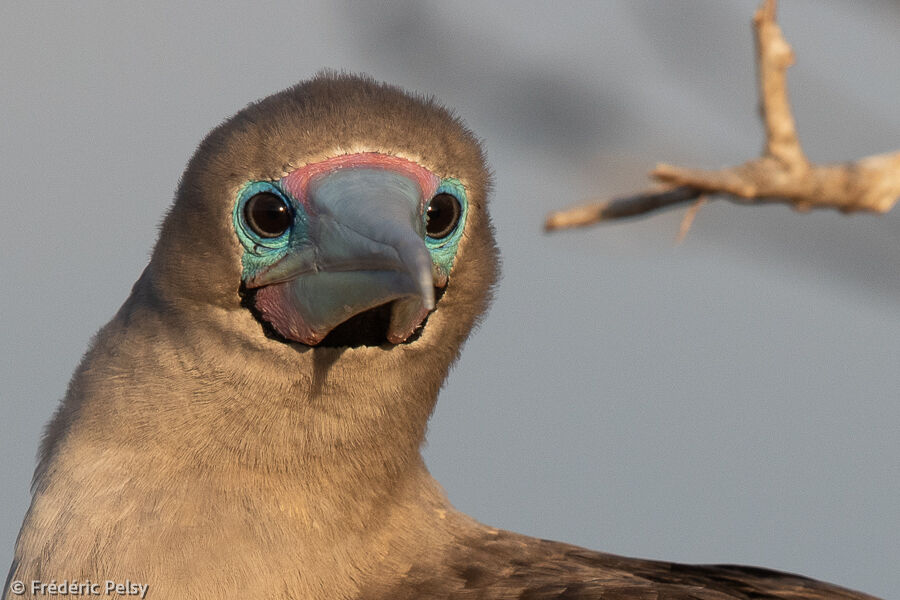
(443, 251)
(261, 252)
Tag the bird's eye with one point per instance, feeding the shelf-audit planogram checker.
(268, 215)
(442, 216)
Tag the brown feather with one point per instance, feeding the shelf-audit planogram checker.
(197, 454)
(492, 564)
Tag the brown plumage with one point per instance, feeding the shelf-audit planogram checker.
(489, 563)
(203, 454)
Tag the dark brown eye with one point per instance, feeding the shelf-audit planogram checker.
(441, 216)
(268, 215)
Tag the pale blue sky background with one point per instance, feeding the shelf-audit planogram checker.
(733, 399)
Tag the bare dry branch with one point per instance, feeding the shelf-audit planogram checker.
(688, 219)
(782, 174)
(621, 208)
(773, 57)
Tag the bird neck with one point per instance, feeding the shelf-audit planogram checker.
(336, 433)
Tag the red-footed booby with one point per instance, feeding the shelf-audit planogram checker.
(249, 424)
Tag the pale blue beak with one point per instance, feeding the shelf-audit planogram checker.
(363, 247)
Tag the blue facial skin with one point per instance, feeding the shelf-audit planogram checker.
(443, 251)
(260, 252)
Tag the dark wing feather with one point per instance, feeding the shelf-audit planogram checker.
(499, 565)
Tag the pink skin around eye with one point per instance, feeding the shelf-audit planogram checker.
(297, 182)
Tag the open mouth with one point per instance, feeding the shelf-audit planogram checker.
(368, 328)
(348, 255)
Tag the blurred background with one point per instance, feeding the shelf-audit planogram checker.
(730, 399)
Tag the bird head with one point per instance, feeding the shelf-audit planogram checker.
(340, 212)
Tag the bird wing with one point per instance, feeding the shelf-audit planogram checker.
(495, 565)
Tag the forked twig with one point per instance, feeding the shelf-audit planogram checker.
(782, 174)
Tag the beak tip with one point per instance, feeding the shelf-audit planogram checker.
(427, 292)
